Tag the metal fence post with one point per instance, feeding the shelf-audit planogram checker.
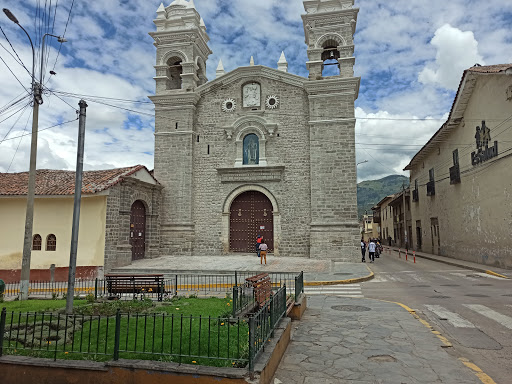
(236, 280)
(2, 329)
(96, 289)
(251, 345)
(117, 335)
(235, 300)
(176, 280)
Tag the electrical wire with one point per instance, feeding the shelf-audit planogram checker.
(19, 143)
(19, 61)
(16, 77)
(12, 103)
(39, 130)
(64, 34)
(12, 126)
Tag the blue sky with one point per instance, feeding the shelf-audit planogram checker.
(410, 55)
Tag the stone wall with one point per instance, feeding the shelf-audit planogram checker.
(118, 251)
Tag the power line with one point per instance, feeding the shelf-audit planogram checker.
(19, 61)
(77, 95)
(19, 117)
(12, 103)
(39, 130)
(16, 77)
(8, 117)
(19, 143)
(64, 34)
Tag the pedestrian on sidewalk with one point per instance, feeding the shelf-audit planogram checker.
(371, 250)
(259, 240)
(363, 250)
(263, 252)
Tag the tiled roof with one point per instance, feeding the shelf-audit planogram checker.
(490, 68)
(56, 182)
(477, 69)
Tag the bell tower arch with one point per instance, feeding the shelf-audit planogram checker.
(181, 45)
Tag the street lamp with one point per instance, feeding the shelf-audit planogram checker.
(29, 218)
(362, 162)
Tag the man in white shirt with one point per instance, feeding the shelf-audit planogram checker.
(263, 252)
(371, 250)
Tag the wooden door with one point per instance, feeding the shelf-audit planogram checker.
(138, 230)
(251, 214)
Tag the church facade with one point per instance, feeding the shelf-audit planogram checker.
(256, 151)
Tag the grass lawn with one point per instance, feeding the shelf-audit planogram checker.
(184, 330)
(38, 305)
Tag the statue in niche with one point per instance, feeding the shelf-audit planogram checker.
(251, 93)
(251, 150)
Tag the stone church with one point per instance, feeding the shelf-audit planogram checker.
(257, 150)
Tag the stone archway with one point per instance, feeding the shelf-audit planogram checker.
(264, 212)
(251, 214)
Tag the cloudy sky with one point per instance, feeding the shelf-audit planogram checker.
(410, 55)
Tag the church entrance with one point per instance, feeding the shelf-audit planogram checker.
(138, 230)
(251, 214)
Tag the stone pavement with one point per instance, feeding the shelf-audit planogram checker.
(365, 341)
(314, 270)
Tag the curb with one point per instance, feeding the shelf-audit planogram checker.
(453, 263)
(346, 281)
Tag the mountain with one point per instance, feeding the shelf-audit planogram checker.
(370, 192)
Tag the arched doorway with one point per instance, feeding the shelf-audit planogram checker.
(251, 214)
(138, 230)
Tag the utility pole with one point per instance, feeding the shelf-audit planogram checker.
(76, 207)
(37, 91)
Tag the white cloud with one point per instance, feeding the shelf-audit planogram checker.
(456, 51)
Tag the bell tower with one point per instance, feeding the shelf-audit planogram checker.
(182, 50)
(329, 27)
(181, 45)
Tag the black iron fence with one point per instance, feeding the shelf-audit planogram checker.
(263, 323)
(179, 283)
(153, 336)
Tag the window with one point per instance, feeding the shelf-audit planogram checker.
(51, 243)
(455, 157)
(330, 56)
(431, 174)
(174, 72)
(431, 186)
(251, 149)
(37, 242)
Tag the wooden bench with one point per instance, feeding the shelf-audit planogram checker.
(119, 284)
(262, 287)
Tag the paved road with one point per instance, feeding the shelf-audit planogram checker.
(473, 310)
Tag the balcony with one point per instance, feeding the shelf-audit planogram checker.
(455, 174)
(431, 188)
(415, 195)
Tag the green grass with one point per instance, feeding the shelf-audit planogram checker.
(38, 305)
(172, 331)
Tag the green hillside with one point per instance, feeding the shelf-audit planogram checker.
(370, 192)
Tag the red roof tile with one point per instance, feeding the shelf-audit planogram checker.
(56, 182)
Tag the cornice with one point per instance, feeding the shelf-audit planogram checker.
(254, 72)
(177, 97)
(325, 86)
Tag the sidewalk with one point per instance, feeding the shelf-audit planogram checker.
(455, 262)
(316, 271)
(365, 341)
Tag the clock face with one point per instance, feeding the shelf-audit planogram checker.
(251, 93)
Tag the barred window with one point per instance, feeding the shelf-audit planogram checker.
(51, 243)
(37, 243)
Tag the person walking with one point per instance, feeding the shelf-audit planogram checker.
(363, 250)
(371, 250)
(263, 252)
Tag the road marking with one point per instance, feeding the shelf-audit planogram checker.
(353, 290)
(465, 276)
(489, 276)
(453, 318)
(484, 378)
(491, 314)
